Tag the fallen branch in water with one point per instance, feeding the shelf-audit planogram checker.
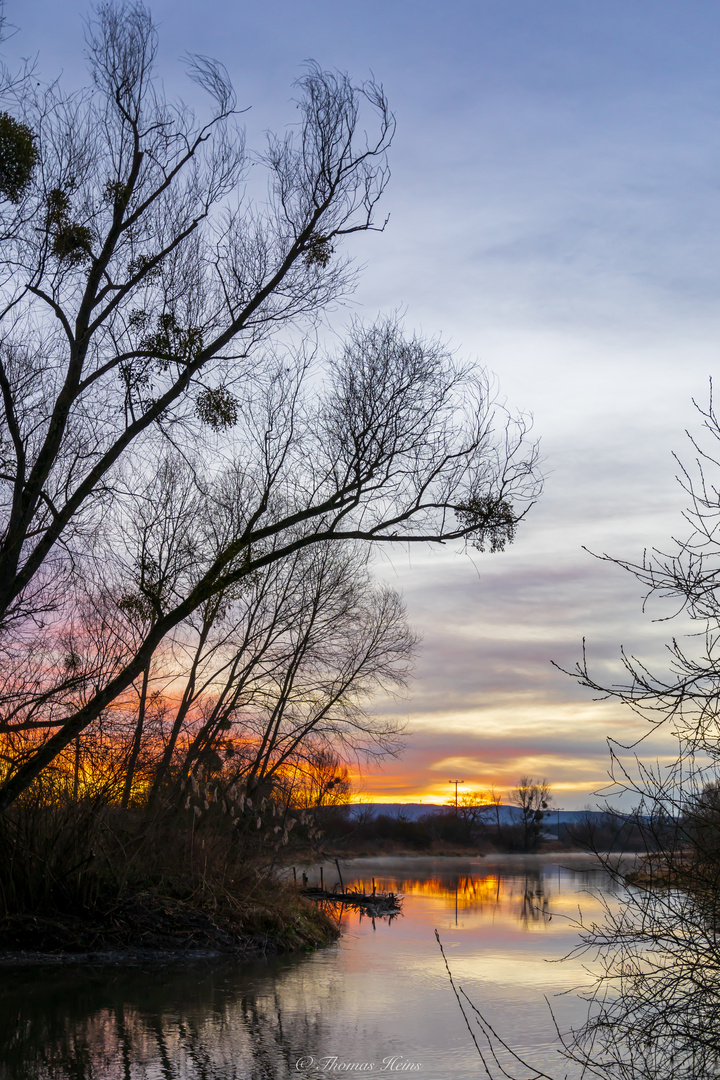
(372, 903)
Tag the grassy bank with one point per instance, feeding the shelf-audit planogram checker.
(158, 923)
(85, 878)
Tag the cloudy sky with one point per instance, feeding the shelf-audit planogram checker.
(554, 215)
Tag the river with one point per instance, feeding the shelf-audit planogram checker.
(377, 1002)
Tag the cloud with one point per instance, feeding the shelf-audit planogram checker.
(554, 213)
(575, 760)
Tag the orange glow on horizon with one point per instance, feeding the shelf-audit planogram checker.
(398, 787)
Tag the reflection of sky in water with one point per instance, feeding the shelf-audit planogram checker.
(381, 991)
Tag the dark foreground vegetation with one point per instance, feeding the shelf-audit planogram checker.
(88, 877)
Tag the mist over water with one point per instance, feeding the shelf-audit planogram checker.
(379, 999)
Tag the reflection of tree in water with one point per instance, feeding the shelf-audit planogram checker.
(654, 1011)
(527, 895)
(533, 907)
(194, 1025)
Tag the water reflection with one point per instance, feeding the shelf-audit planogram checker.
(381, 992)
(526, 896)
(527, 889)
(194, 1022)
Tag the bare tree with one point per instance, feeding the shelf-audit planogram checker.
(142, 301)
(533, 798)
(660, 985)
(473, 808)
(654, 1011)
(143, 306)
(322, 781)
(270, 674)
(309, 643)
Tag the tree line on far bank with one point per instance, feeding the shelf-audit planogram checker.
(519, 820)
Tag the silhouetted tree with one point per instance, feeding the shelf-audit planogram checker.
(143, 301)
(533, 798)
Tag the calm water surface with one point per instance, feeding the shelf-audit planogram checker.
(379, 998)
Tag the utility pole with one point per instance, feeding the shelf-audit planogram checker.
(456, 782)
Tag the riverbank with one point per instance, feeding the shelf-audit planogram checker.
(149, 926)
(440, 849)
(93, 881)
(89, 878)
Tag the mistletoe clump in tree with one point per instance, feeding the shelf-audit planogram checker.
(150, 312)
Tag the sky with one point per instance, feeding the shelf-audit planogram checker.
(554, 217)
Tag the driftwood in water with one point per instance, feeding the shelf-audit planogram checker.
(373, 903)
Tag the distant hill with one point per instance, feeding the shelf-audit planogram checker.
(508, 814)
